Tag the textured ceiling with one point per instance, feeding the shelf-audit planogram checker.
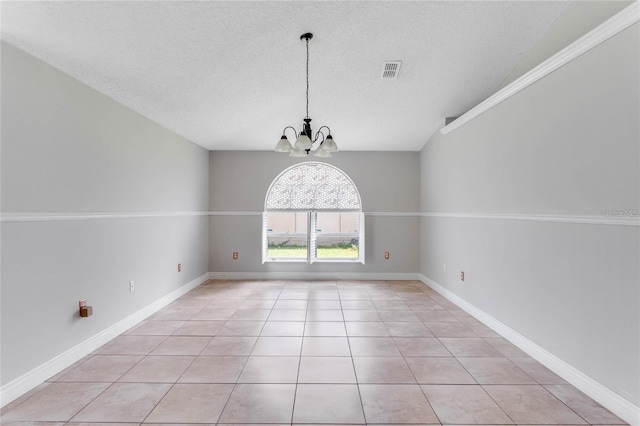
(230, 75)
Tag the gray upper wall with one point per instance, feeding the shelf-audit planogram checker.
(68, 148)
(573, 153)
(569, 144)
(578, 19)
(80, 151)
(387, 181)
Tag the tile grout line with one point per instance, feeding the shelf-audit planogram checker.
(471, 375)
(482, 386)
(304, 328)
(414, 376)
(113, 383)
(561, 401)
(174, 383)
(89, 403)
(353, 364)
(242, 370)
(367, 289)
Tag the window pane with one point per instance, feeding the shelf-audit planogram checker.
(338, 235)
(287, 235)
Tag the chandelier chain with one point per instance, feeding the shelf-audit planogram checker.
(307, 77)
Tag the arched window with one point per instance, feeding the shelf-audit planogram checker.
(312, 213)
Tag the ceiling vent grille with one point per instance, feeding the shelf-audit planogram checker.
(390, 69)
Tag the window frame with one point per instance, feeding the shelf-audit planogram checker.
(265, 239)
(312, 234)
(359, 235)
(319, 205)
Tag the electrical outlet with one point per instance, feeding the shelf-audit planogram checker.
(444, 267)
(461, 275)
(179, 267)
(386, 255)
(235, 255)
(132, 286)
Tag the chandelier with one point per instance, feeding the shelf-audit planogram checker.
(306, 139)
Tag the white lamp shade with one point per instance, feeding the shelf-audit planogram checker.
(297, 153)
(322, 153)
(329, 145)
(283, 145)
(303, 142)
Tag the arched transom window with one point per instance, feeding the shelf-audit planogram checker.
(313, 213)
(313, 186)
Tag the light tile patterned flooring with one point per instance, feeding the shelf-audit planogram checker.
(312, 352)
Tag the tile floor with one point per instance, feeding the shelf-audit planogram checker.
(291, 352)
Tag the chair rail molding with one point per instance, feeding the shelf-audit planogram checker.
(607, 217)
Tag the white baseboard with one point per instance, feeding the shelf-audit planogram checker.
(394, 276)
(38, 375)
(619, 406)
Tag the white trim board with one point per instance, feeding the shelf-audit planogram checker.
(619, 22)
(238, 213)
(393, 276)
(606, 397)
(606, 218)
(23, 384)
(50, 217)
(394, 214)
(582, 219)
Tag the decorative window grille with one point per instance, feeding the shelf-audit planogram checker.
(313, 186)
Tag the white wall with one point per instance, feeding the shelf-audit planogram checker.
(69, 149)
(387, 182)
(567, 145)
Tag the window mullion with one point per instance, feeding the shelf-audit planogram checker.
(361, 239)
(312, 237)
(265, 242)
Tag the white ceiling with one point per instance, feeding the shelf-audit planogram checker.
(231, 75)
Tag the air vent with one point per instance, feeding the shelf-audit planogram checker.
(390, 70)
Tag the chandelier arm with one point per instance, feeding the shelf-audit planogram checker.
(318, 133)
(323, 127)
(295, 132)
